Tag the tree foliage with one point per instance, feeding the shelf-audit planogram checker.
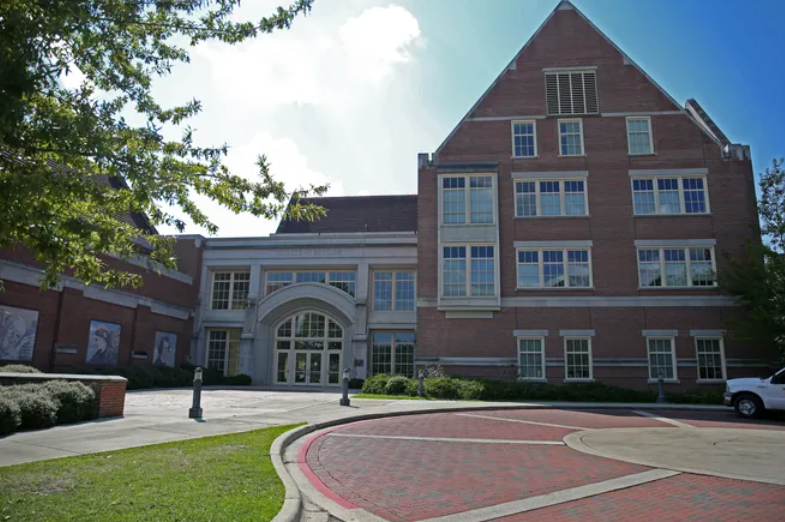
(757, 280)
(72, 163)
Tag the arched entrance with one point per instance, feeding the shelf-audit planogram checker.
(308, 350)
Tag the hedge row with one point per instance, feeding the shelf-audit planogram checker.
(36, 406)
(452, 388)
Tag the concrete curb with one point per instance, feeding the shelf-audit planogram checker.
(293, 503)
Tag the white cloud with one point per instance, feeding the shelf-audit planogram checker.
(335, 100)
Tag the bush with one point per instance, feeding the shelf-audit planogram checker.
(19, 368)
(10, 416)
(37, 408)
(356, 384)
(397, 385)
(469, 390)
(240, 379)
(376, 385)
(412, 388)
(75, 400)
(441, 388)
(711, 396)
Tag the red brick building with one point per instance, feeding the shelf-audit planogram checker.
(571, 226)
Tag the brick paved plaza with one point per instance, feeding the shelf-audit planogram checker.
(514, 466)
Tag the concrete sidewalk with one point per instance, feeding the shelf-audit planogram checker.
(157, 416)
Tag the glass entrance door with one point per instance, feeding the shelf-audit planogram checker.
(308, 351)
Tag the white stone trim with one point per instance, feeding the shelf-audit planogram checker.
(606, 302)
(468, 315)
(576, 333)
(570, 69)
(530, 333)
(675, 242)
(641, 114)
(506, 118)
(157, 268)
(580, 243)
(660, 333)
(570, 174)
(467, 361)
(667, 173)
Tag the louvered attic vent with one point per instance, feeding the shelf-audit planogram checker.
(572, 92)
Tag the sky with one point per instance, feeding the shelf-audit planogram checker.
(352, 92)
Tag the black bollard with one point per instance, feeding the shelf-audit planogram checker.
(661, 390)
(196, 408)
(420, 379)
(345, 385)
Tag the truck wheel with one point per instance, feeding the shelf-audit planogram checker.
(748, 405)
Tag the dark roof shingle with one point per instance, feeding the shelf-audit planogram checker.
(358, 214)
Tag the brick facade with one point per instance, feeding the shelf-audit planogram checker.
(567, 40)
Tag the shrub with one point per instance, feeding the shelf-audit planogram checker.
(469, 390)
(37, 408)
(10, 416)
(75, 400)
(411, 388)
(19, 368)
(376, 385)
(356, 384)
(240, 379)
(441, 388)
(711, 396)
(397, 385)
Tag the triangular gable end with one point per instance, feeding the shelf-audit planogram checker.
(566, 5)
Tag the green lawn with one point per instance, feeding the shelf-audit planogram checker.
(388, 397)
(226, 478)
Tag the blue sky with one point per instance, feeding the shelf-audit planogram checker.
(351, 94)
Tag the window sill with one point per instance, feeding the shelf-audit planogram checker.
(493, 224)
(684, 214)
(525, 157)
(714, 287)
(557, 217)
(572, 156)
(710, 381)
(644, 154)
(665, 381)
(549, 288)
(537, 381)
(568, 381)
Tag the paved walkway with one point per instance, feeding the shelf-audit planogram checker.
(546, 465)
(158, 416)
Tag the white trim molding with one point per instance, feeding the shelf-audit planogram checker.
(660, 333)
(667, 173)
(477, 314)
(570, 69)
(707, 333)
(580, 243)
(530, 333)
(570, 174)
(576, 333)
(708, 301)
(675, 242)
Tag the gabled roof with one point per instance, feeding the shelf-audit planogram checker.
(358, 214)
(565, 5)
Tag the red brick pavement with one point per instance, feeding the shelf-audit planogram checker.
(677, 499)
(451, 425)
(590, 419)
(403, 480)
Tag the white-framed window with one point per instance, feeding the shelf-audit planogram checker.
(571, 92)
(554, 268)
(577, 359)
(531, 358)
(639, 136)
(524, 138)
(468, 270)
(710, 354)
(566, 197)
(570, 137)
(223, 350)
(467, 198)
(230, 290)
(670, 195)
(662, 358)
(392, 353)
(394, 290)
(344, 280)
(676, 267)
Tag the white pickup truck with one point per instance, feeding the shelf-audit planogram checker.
(752, 396)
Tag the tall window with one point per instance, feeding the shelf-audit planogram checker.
(479, 280)
(308, 350)
(230, 290)
(671, 195)
(550, 198)
(531, 358)
(460, 206)
(639, 136)
(393, 291)
(554, 268)
(577, 358)
(392, 353)
(662, 358)
(342, 280)
(524, 139)
(676, 267)
(223, 351)
(571, 137)
(711, 359)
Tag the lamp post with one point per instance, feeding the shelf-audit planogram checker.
(196, 408)
(345, 385)
(420, 379)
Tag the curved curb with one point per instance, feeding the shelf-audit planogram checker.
(292, 506)
(575, 442)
